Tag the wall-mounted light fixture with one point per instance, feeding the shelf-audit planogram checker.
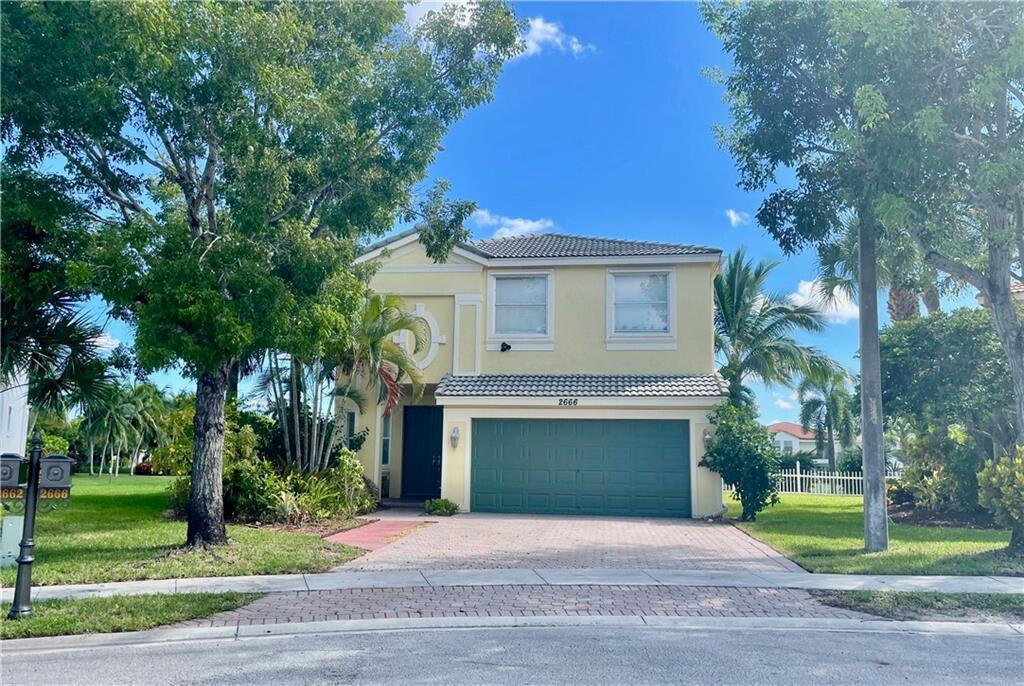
(454, 438)
(707, 439)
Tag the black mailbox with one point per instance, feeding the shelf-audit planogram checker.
(10, 470)
(55, 472)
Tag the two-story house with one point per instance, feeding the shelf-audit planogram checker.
(565, 374)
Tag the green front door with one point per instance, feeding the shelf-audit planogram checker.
(581, 466)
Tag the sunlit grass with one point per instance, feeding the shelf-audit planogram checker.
(826, 534)
(115, 530)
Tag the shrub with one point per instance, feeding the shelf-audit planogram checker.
(256, 490)
(1001, 492)
(177, 492)
(144, 469)
(52, 444)
(897, 493)
(250, 487)
(441, 507)
(743, 453)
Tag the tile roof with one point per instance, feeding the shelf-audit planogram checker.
(564, 245)
(793, 429)
(581, 385)
(1016, 287)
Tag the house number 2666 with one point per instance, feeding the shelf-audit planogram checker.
(568, 401)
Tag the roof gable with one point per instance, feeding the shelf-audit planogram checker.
(792, 429)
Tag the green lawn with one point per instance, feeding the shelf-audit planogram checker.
(114, 530)
(118, 613)
(981, 607)
(825, 534)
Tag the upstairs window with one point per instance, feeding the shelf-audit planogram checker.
(640, 303)
(521, 305)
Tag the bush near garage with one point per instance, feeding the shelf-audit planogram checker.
(743, 453)
(441, 507)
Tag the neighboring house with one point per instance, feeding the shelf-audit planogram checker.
(565, 374)
(791, 438)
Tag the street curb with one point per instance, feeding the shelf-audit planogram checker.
(340, 580)
(637, 622)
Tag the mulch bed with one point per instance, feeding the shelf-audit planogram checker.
(919, 516)
(322, 529)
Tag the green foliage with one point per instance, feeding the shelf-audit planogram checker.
(238, 154)
(946, 369)
(173, 454)
(46, 335)
(743, 453)
(1001, 492)
(53, 444)
(790, 460)
(851, 460)
(754, 330)
(943, 474)
(256, 490)
(441, 507)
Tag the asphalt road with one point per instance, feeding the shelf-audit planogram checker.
(549, 655)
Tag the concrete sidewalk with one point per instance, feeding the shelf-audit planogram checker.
(340, 580)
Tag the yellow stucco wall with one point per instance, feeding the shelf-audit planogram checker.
(579, 314)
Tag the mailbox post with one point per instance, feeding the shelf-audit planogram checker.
(22, 605)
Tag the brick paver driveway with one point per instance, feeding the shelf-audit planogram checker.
(488, 541)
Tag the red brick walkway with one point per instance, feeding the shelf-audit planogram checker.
(523, 601)
(376, 534)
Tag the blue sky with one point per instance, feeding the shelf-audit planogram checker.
(604, 128)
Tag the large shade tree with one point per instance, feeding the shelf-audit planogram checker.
(797, 122)
(236, 153)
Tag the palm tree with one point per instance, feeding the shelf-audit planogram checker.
(114, 427)
(900, 269)
(147, 406)
(754, 330)
(825, 403)
(375, 356)
(307, 393)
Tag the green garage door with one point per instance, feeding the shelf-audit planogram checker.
(581, 466)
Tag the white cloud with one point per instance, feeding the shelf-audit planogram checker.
(840, 309)
(506, 227)
(106, 342)
(736, 217)
(542, 34)
(786, 403)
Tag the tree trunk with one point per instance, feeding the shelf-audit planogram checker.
(830, 449)
(931, 300)
(103, 458)
(92, 449)
(1017, 539)
(902, 304)
(206, 496)
(1011, 336)
(876, 523)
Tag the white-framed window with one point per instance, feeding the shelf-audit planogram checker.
(350, 427)
(641, 309)
(521, 310)
(385, 440)
(787, 447)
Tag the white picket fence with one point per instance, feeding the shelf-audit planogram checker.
(822, 482)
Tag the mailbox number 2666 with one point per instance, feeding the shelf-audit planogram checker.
(569, 401)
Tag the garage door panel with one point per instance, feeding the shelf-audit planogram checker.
(619, 467)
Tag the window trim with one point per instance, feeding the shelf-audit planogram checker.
(521, 341)
(620, 340)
